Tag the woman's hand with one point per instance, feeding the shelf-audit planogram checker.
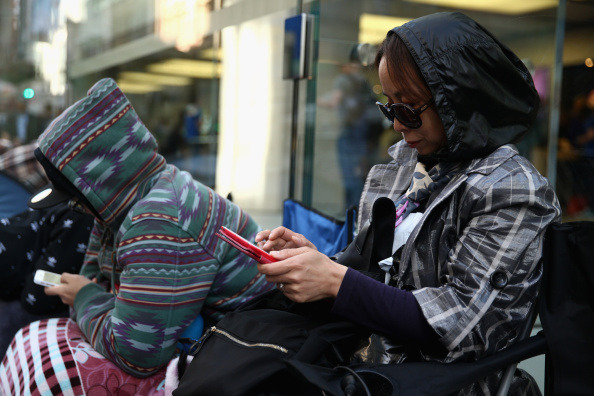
(71, 285)
(305, 274)
(281, 238)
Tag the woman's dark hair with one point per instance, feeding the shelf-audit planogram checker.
(402, 67)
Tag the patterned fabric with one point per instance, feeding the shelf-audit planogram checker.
(423, 184)
(54, 358)
(490, 218)
(20, 163)
(41, 349)
(387, 180)
(153, 248)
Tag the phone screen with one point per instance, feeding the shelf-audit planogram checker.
(45, 278)
(52, 278)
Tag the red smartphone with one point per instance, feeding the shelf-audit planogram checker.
(243, 245)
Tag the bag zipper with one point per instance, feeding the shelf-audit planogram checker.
(195, 348)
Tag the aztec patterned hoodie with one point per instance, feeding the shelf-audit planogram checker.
(153, 248)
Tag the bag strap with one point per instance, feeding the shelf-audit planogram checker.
(383, 220)
(373, 242)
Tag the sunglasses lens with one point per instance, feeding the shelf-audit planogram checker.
(386, 112)
(405, 115)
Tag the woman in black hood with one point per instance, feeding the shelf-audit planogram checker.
(463, 267)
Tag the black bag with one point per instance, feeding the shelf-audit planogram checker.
(255, 349)
(248, 350)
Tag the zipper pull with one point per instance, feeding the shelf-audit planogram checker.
(195, 347)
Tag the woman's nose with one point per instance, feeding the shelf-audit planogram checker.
(398, 127)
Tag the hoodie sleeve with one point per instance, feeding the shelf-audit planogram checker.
(90, 267)
(165, 279)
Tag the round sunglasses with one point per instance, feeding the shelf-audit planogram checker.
(405, 114)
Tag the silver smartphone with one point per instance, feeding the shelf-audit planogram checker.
(46, 278)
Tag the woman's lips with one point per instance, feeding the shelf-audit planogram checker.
(413, 144)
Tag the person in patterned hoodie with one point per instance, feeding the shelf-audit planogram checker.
(153, 264)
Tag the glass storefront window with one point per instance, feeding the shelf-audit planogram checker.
(348, 141)
(166, 57)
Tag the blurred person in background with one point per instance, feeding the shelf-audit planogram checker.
(359, 126)
(20, 125)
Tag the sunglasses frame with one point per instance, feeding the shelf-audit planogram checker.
(389, 111)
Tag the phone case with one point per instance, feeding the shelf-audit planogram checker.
(40, 276)
(244, 246)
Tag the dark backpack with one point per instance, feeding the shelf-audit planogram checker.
(248, 351)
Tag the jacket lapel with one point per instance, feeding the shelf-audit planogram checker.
(387, 180)
(448, 190)
(484, 166)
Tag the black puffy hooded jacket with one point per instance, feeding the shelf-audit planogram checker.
(483, 92)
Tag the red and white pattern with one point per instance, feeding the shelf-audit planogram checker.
(52, 357)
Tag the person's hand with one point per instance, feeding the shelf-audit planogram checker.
(281, 238)
(71, 285)
(304, 274)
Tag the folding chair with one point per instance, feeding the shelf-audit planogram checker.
(329, 234)
(566, 309)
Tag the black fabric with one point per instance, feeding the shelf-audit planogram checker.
(61, 184)
(567, 308)
(374, 241)
(237, 357)
(53, 239)
(47, 197)
(417, 378)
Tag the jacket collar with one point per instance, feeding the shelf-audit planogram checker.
(482, 166)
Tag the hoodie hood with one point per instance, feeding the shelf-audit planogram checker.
(101, 146)
(483, 92)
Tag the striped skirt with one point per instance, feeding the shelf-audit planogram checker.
(51, 357)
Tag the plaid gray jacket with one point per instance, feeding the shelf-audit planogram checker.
(473, 261)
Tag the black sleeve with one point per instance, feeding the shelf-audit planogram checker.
(62, 239)
(383, 309)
